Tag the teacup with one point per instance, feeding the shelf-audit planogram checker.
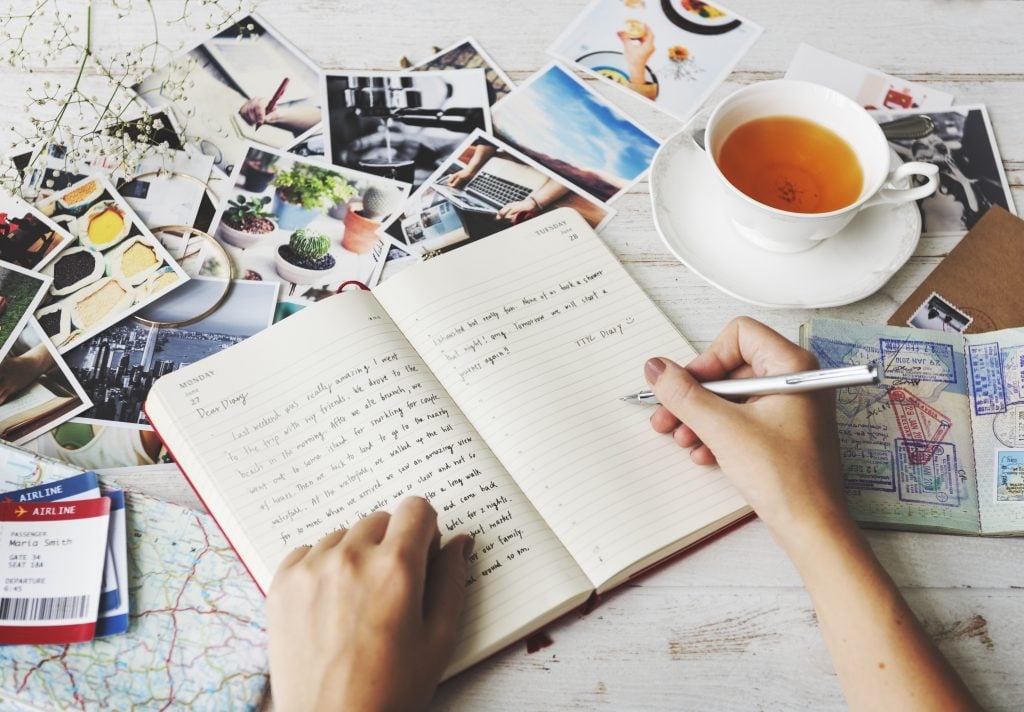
(782, 230)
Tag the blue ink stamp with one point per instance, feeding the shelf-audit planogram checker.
(907, 360)
(1010, 475)
(1013, 375)
(933, 481)
(866, 461)
(986, 369)
(833, 353)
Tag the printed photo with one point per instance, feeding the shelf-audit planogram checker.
(112, 268)
(303, 224)
(91, 446)
(397, 259)
(560, 123)
(468, 54)
(971, 177)
(119, 366)
(21, 293)
(27, 238)
(37, 390)
(402, 125)
(309, 144)
(247, 83)
(673, 54)
(869, 87)
(484, 187)
(938, 314)
(161, 189)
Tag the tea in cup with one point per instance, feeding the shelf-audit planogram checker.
(797, 161)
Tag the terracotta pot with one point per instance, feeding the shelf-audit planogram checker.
(360, 233)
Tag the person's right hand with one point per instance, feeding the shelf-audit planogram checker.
(254, 111)
(780, 451)
(636, 53)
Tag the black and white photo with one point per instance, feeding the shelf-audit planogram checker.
(939, 314)
(971, 177)
(402, 125)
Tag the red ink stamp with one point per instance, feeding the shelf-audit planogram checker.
(922, 427)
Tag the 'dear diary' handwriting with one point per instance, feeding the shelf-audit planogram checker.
(486, 381)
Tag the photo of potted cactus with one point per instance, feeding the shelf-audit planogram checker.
(305, 259)
(246, 221)
(363, 219)
(305, 191)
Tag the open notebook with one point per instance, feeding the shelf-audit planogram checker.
(487, 380)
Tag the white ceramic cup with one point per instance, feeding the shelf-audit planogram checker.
(786, 231)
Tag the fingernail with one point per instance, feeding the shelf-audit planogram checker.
(652, 369)
(467, 547)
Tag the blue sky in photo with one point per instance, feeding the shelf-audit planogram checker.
(560, 117)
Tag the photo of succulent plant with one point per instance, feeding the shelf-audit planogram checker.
(304, 224)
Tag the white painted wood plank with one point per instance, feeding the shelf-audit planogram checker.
(727, 649)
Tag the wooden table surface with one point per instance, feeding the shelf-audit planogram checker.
(728, 626)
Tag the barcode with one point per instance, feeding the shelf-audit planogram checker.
(43, 609)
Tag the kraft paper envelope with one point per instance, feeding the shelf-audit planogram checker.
(980, 279)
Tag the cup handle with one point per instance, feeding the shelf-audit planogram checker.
(892, 194)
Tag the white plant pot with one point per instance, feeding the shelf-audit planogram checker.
(241, 239)
(300, 275)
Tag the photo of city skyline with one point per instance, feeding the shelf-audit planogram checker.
(118, 366)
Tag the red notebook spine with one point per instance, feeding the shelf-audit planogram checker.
(202, 501)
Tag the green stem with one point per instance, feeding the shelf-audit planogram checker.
(74, 89)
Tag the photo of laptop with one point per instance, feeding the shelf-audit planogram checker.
(499, 182)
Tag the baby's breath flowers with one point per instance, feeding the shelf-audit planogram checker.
(82, 110)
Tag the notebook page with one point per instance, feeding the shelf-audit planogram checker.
(536, 333)
(329, 415)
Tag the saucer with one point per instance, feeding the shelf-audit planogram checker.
(849, 266)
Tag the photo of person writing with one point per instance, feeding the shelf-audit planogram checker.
(246, 83)
(297, 119)
(368, 617)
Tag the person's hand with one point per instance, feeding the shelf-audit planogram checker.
(461, 177)
(17, 372)
(636, 53)
(780, 451)
(517, 210)
(254, 111)
(367, 618)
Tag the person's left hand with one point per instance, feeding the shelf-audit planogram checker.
(516, 210)
(367, 618)
(461, 177)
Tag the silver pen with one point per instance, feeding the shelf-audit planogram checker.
(783, 383)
